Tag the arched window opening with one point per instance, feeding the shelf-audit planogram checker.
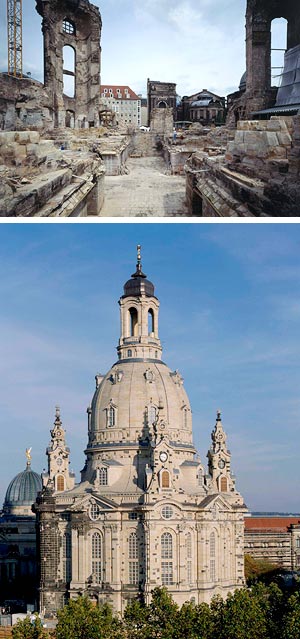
(133, 314)
(166, 557)
(152, 414)
(69, 66)
(129, 353)
(60, 483)
(150, 322)
(185, 418)
(278, 49)
(189, 557)
(111, 417)
(66, 552)
(165, 479)
(162, 105)
(68, 27)
(103, 476)
(96, 557)
(212, 563)
(133, 559)
(70, 119)
(223, 484)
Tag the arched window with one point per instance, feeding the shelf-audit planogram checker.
(60, 483)
(165, 479)
(97, 557)
(166, 559)
(212, 551)
(103, 476)
(150, 322)
(133, 559)
(69, 67)
(68, 27)
(185, 417)
(133, 322)
(189, 557)
(152, 413)
(111, 416)
(67, 557)
(129, 353)
(278, 47)
(223, 484)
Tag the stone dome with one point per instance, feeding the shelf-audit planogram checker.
(22, 491)
(132, 387)
(243, 81)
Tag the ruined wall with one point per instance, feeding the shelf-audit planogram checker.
(259, 16)
(39, 179)
(76, 24)
(259, 175)
(24, 104)
(162, 121)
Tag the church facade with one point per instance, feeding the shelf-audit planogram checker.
(145, 513)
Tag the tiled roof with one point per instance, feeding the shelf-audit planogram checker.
(279, 524)
(118, 92)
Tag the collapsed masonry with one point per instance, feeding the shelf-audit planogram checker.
(257, 175)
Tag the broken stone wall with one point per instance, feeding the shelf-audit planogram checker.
(259, 16)
(75, 24)
(38, 179)
(162, 122)
(24, 104)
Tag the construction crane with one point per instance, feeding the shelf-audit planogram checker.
(14, 38)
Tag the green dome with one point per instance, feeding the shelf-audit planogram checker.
(23, 489)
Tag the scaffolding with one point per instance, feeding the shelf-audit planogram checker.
(14, 38)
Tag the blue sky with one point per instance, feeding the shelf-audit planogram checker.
(196, 43)
(229, 321)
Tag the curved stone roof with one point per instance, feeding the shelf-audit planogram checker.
(23, 489)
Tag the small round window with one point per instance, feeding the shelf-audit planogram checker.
(167, 512)
(68, 27)
(94, 512)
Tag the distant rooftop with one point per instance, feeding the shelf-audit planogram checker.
(118, 92)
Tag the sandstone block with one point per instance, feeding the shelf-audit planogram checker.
(22, 137)
(284, 138)
(34, 137)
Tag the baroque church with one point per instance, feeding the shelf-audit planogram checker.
(145, 512)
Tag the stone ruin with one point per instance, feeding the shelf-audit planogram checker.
(54, 153)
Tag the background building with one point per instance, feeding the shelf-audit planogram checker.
(161, 95)
(204, 107)
(18, 579)
(274, 539)
(122, 101)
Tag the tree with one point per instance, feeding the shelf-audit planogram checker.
(29, 628)
(243, 617)
(80, 619)
(259, 569)
(290, 627)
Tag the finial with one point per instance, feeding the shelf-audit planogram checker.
(28, 456)
(139, 272)
(57, 412)
(218, 415)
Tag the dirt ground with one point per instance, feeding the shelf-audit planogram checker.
(146, 191)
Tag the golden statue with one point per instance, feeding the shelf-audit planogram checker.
(28, 455)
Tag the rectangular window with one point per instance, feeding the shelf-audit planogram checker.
(212, 570)
(298, 542)
(166, 573)
(133, 573)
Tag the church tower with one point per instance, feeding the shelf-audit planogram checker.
(59, 475)
(145, 513)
